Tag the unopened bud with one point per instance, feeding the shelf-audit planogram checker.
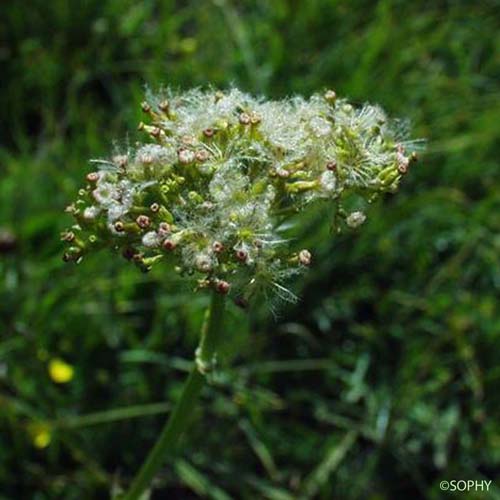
(331, 165)
(169, 245)
(305, 257)
(355, 219)
(222, 287)
(120, 160)
(202, 155)
(217, 247)
(186, 156)
(330, 96)
(164, 228)
(255, 118)
(93, 176)
(68, 236)
(244, 118)
(241, 255)
(143, 221)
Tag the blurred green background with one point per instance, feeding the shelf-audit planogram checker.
(381, 382)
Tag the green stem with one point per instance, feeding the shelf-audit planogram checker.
(179, 419)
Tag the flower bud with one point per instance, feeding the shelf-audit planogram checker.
(217, 247)
(355, 219)
(241, 255)
(143, 221)
(331, 165)
(209, 132)
(120, 160)
(330, 96)
(202, 155)
(164, 229)
(154, 207)
(164, 105)
(93, 177)
(169, 245)
(305, 257)
(244, 118)
(186, 156)
(222, 287)
(68, 236)
(203, 263)
(119, 226)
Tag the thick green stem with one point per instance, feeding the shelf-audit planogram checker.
(179, 419)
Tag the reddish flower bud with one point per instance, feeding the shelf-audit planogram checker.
(128, 253)
(143, 221)
(241, 255)
(169, 245)
(331, 165)
(222, 287)
(217, 247)
(209, 132)
(93, 176)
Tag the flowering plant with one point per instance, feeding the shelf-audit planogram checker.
(214, 189)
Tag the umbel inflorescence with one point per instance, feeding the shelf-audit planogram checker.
(219, 173)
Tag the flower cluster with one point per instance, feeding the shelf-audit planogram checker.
(210, 189)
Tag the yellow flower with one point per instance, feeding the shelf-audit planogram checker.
(60, 372)
(40, 434)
